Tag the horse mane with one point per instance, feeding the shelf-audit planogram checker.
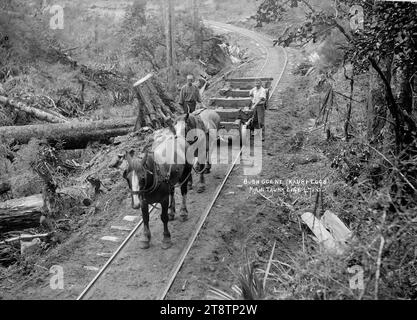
(199, 123)
(192, 119)
(136, 164)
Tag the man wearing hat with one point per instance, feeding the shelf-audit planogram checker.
(189, 95)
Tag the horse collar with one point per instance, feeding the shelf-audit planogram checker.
(155, 183)
(192, 142)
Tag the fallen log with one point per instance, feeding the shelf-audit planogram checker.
(23, 213)
(25, 237)
(37, 113)
(20, 213)
(73, 135)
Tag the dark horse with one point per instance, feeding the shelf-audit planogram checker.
(204, 124)
(153, 180)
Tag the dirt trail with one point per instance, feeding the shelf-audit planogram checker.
(241, 219)
(138, 274)
(236, 221)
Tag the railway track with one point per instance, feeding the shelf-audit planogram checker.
(91, 291)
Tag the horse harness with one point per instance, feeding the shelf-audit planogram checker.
(157, 174)
(199, 124)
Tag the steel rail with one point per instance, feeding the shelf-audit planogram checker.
(203, 218)
(230, 30)
(200, 224)
(115, 254)
(253, 36)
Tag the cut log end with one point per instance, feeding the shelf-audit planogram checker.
(19, 214)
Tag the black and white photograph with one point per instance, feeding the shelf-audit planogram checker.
(234, 152)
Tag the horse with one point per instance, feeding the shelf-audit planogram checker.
(206, 123)
(153, 180)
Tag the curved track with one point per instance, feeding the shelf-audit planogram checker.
(131, 273)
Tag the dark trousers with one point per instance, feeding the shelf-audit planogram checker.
(189, 106)
(259, 118)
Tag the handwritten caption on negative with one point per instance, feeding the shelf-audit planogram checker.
(306, 187)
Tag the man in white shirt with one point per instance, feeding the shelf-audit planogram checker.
(258, 94)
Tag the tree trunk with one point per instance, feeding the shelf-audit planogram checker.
(22, 213)
(166, 111)
(18, 214)
(155, 109)
(74, 135)
(140, 121)
(198, 37)
(148, 107)
(167, 99)
(402, 87)
(37, 113)
(377, 104)
(349, 110)
(401, 84)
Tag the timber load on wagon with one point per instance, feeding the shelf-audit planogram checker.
(234, 103)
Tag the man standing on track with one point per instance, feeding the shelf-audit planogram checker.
(189, 95)
(258, 94)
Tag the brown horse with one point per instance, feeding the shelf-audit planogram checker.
(200, 129)
(153, 180)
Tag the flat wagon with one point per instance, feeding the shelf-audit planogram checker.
(234, 103)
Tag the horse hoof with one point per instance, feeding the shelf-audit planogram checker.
(171, 217)
(166, 244)
(190, 187)
(201, 189)
(144, 244)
